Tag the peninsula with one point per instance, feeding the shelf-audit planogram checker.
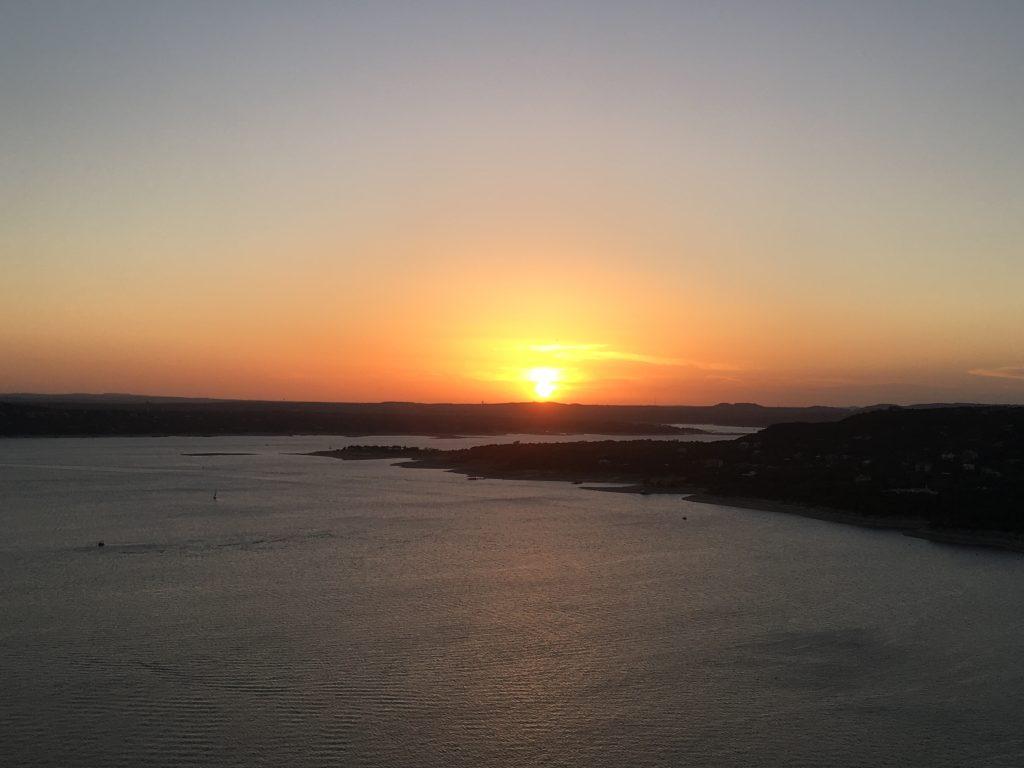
(953, 473)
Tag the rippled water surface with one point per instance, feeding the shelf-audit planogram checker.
(327, 613)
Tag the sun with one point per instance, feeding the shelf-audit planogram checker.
(545, 381)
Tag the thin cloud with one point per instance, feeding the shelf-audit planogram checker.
(601, 352)
(1006, 372)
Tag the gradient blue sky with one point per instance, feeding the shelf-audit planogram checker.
(671, 202)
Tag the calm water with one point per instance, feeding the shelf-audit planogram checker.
(358, 614)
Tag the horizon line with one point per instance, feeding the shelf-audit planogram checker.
(113, 396)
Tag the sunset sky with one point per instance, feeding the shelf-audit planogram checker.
(789, 203)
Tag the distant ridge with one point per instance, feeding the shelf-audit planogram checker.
(104, 397)
(128, 397)
(116, 414)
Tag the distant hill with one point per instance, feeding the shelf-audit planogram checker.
(102, 397)
(103, 416)
(23, 414)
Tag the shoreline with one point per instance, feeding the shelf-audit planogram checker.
(430, 435)
(913, 527)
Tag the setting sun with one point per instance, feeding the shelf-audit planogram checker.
(545, 381)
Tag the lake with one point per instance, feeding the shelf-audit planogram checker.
(328, 613)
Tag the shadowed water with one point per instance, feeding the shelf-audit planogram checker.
(357, 614)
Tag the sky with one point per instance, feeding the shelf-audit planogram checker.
(643, 202)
